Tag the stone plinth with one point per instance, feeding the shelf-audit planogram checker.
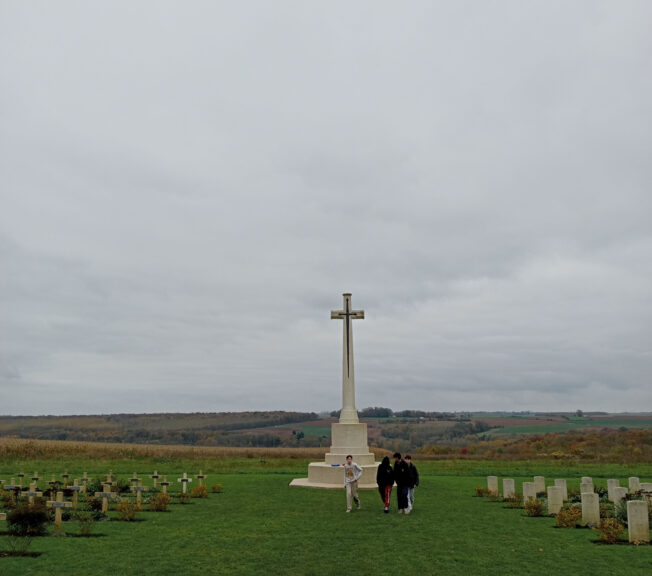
(611, 484)
(590, 508)
(349, 439)
(508, 488)
(561, 482)
(492, 485)
(634, 484)
(528, 491)
(637, 521)
(555, 499)
(540, 484)
(322, 475)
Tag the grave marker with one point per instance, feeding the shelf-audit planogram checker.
(65, 477)
(3, 516)
(620, 492)
(540, 484)
(84, 480)
(611, 484)
(561, 482)
(76, 489)
(590, 509)
(508, 488)
(105, 494)
(200, 477)
(587, 479)
(14, 488)
(529, 491)
(638, 523)
(646, 486)
(32, 493)
(134, 479)
(586, 488)
(155, 477)
(184, 482)
(20, 476)
(35, 478)
(53, 485)
(58, 504)
(139, 489)
(555, 499)
(164, 485)
(634, 484)
(492, 485)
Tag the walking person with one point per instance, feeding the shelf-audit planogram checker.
(352, 473)
(414, 482)
(402, 479)
(385, 481)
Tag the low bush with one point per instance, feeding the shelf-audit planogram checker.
(199, 492)
(184, 498)
(620, 512)
(482, 492)
(606, 510)
(126, 511)
(515, 501)
(569, 517)
(609, 530)
(159, 502)
(27, 521)
(534, 507)
(217, 488)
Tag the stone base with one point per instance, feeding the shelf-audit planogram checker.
(322, 475)
(349, 439)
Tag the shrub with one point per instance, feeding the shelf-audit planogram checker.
(217, 488)
(610, 530)
(199, 492)
(515, 501)
(123, 486)
(620, 512)
(86, 522)
(534, 507)
(127, 511)
(27, 521)
(569, 517)
(159, 502)
(606, 510)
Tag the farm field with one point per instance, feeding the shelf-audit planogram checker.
(259, 524)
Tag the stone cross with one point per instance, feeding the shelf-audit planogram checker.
(155, 477)
(35, 478)
(32, 493)
(65, 477)
(84, 480)
(184, 481)
(58, 504)
(349, 414)
(53, 485)
(164, 485)
(105, 494)
(15, 488)
(134, 479)
(492, 485)
(139, 489)
(20, 475)
(638, 522)
(76, 489)
(200, 477)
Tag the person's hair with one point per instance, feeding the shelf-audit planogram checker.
(397, 455)
(349, 456)
(408, 457)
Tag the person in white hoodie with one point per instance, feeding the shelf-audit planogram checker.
(352, 473)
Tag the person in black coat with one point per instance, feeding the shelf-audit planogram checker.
(414, 482)
(402, 479)
(385, 481)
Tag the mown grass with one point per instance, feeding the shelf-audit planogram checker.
(260, 525)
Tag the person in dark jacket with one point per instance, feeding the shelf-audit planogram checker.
(414, 482)
(402, 479)
(385, 481)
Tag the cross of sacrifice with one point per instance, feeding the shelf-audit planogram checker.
(349, 414)
(139, 489)
(105, 494)
(200, 477)
(32, 493)
(58, 504)
(76, 489)
(155, 477)
(164, 485)
(184, 481)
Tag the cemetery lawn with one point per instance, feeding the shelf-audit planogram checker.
(259, 525)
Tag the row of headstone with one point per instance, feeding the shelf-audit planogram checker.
(637, 510)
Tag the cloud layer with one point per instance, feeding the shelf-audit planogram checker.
(187, 190)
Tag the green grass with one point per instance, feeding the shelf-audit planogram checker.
(260, 525)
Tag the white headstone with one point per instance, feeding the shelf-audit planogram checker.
(591, 508)
(492, 485)
(619, 494)
(508, 487)
(611, 484)
(555, 499)
(540, 484)
(634, 484)
(528, 491)
(638, 522)
(561, 482)
(586, 487)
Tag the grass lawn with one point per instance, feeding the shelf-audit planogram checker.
(259, 525)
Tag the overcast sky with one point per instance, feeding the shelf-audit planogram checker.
(187, 189)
